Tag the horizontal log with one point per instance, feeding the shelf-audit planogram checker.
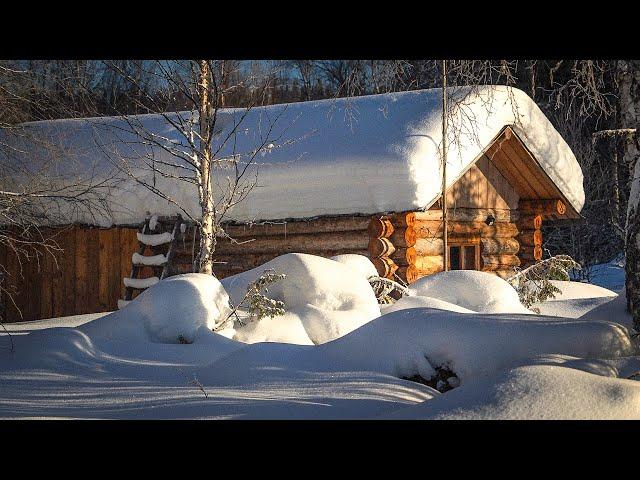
(403, 219)
(316, 225)
(469, 214)
(410, 273)
(493, 246)
(379, 247)
(542, 206)
(431, 229)
(349, 240)
(403, 237)
(380, 227)
(530, 254)
(530, 222)
(429, 246)
(249, 261)
(385, 266)
(404, 256)
(495, 262)
(530, 238)
(432, 263)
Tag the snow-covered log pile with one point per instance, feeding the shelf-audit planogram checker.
(370, 154)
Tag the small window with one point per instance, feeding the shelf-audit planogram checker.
(454, 258)
(464, 257)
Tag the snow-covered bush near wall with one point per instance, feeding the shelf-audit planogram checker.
(174, 308)
(477, 291)
(324, 300)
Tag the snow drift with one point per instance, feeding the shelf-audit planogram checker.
(367, 154)
(535, 393)
(324, 300)
(476, 291)
(174, 308)
(360, 263)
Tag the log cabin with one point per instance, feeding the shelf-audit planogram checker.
(359, 175)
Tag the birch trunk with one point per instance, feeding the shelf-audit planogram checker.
(207, 224)
(629, 85)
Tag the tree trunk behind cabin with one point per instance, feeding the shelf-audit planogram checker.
(629, 90)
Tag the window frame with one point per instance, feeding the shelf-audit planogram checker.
(463, 245)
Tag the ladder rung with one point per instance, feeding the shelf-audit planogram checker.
(155, 239)
(140, 283)
(152, 260)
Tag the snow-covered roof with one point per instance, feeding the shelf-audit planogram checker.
(341, 156)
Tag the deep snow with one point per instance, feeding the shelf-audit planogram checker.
(324, 299)
(130, 364)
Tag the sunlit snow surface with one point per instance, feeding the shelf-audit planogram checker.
(510, 365)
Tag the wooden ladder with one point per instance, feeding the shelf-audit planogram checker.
(136, 282)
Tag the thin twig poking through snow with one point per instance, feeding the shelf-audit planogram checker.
(8, 334)
(198, 384)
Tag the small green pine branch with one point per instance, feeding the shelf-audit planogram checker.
(256, 302)
(533, 283)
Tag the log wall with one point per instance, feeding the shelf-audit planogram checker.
(85, 276)
(409, 245)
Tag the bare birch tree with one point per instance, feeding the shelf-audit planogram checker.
(197, 157)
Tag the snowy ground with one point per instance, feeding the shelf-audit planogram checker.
(336, 356)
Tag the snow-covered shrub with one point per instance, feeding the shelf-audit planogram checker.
(477, 291)
(324, 297)
(533, 284)
(443, 380)
(171, 311)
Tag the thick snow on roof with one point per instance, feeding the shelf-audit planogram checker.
(344, 156)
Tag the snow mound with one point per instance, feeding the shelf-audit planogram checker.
(535, 392)
(360, 263)
(327, 298)
(175, 307)
(424, 302)
(287, 328)
(578, 290)
(575, 300)
(477, 291)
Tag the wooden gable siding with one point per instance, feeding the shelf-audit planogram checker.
(518, 166)
(84, 277)
(483, 186)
